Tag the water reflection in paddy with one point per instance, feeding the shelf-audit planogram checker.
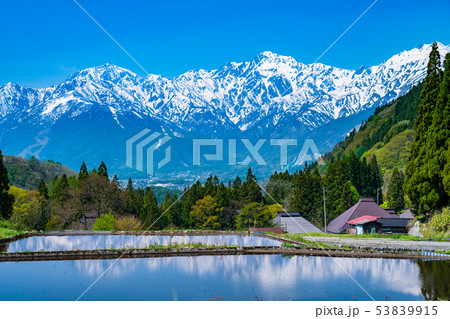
(269, 277)
(85, 242)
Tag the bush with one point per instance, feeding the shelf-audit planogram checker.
(128, 223)
(4, 224)
(106, 222)
(27, 209)
(439, 225)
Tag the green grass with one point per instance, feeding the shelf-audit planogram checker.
(188, 245)
(381, 236)
(308, 243)
(443, 251)
(5, 232)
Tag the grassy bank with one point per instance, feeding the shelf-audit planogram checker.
(188, 245)
(5, 232)
(379, 236)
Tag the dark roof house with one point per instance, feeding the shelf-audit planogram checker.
(294, 223)
(407, 214)
(365, 206)
(391, 212)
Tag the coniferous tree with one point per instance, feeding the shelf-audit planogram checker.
(136, 200)
(446, 179)
(250, 190)
(83, 172)
(336, 177)
(356, 171)
(42, 188)
(130, 184)
(347, 199)
(102, 170)
(222, 196)
(162, 219)
(418, 184)
(438, 137)
(375, 179)
(210, 188)
(6, 199)
(236, 189)
(395, 194)
(45, 206)
(307, 195)
(115, 181)
(152, 211)
(59, 194)
(175, 213)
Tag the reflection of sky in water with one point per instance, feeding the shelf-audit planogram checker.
(85, 242)
(270, 277)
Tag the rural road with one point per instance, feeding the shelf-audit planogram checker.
(381, 243)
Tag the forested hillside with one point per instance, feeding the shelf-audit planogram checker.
(388, 134)
(411, 134)
(27, 173)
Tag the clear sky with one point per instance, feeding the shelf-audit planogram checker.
(42, 42)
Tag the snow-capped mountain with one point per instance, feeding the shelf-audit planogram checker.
(270, 96)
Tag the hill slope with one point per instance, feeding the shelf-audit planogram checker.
(388, 134)
(26, 173)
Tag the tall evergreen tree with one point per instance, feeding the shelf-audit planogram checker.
(45, 206)
(446, 179)
(115, 181)
(59, 194)
(250, 190)
(175, 213)
(102, 170)
(42, 188)
(395, 194)
(83, 172)
(418, 184)
(236, 188)
(130, 184)
(152, 211)
(222, 196)
(375, 178)
(336, 177)
(6, 199)
(438, 139)
(347, 199)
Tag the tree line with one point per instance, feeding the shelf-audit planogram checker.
(346, 180)
(427, 181)
(76, 202)
(93, 200)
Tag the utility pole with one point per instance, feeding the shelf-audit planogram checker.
(378, 192)
(325, 208)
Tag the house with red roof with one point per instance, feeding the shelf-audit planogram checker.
(367, 217)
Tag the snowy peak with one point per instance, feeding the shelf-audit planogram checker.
(106, 72)
(263, 94)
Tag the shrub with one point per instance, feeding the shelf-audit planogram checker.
(106, 222)
(439, 225)
(4, 224)
(27, 209)
(128, 223)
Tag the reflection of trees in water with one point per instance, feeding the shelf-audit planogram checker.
(435, 279)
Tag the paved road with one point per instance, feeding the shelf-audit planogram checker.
(381, 243)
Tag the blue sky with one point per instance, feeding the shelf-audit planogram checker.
(42, 42)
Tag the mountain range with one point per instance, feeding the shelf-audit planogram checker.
(93, 112)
